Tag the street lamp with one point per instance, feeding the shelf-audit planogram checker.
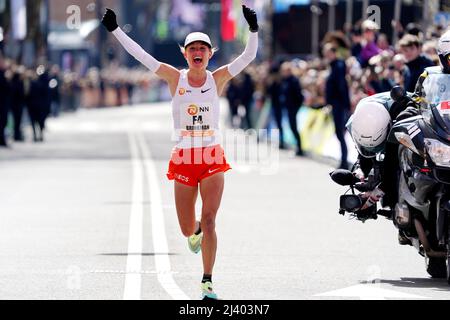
(101, 35)
(316, 11)
(349, 16)
(364, 9)
(397, 12)
(331, 14)
(45, 21)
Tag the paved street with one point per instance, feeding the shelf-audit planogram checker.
(89, 214)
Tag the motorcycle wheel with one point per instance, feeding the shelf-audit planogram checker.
(448, 250)
(448, 267)
(437, 268)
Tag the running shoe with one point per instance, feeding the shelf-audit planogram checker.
(208, 292)
(195, 242)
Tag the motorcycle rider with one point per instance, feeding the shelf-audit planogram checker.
(369, 127)
(443, 50)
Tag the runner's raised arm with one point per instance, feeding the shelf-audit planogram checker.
(165, 71)
(227, 72)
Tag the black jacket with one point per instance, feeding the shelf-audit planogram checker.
(5, 100)
(416, 67)
(247, 89)
(5, 92)
(290, 93)
(337, 92)
(17, 91)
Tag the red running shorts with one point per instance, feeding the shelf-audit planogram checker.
(190, 166)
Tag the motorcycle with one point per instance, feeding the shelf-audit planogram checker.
(422, 212)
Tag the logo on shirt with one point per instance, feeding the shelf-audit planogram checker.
(204, 91)
(182, 91)
(192, 110)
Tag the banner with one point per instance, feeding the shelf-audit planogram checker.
(228, 19)
(283, 5)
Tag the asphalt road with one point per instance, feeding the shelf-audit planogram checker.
(89, 214)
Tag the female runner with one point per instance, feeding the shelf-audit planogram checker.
(198, 162)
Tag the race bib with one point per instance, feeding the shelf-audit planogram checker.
(196, 120)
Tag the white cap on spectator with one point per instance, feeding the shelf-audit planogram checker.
(369, 25)
(399, 58)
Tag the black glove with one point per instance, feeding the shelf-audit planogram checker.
(109, 20)
(410, 111)
(251, 18)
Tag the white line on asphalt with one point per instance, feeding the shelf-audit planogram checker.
(134, 259)
(124, 271)
(162, 261)
(369, 292)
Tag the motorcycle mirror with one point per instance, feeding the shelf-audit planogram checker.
(350, 202)
(398, 93)
(343, 177)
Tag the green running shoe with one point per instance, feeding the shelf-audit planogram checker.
(208, 292)
(195, 242)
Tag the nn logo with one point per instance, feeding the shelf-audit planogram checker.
(192, 110)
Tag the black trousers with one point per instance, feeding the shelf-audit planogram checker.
(292, 115)
(248, 110)
(3, 123)
(340, 117)
(17, 112)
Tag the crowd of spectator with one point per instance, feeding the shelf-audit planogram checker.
(33, 91)
(352, 65)
(31, 95)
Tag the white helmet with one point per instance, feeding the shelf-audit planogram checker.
(369, 126)
(443, 51)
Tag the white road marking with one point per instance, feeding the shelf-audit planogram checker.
(125, 272)
(162, 261)
(134, 259)
(113, 126)
(369, 292)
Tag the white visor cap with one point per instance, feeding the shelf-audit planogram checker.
(197, 36)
